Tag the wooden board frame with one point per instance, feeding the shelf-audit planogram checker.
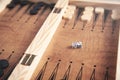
(3, 4)
(118, 59)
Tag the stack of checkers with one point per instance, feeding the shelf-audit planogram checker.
(69, 12)
(3, 65)
(3, 4)
(115, 14)
(87, 14)
(99, 10)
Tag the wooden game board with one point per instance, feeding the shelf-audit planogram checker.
(96, 60)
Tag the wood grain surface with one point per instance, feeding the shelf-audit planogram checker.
(97, 56)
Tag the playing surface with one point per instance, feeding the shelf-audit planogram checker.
(17, 30)
(96, 60)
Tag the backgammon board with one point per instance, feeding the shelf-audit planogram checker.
(59, 41)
